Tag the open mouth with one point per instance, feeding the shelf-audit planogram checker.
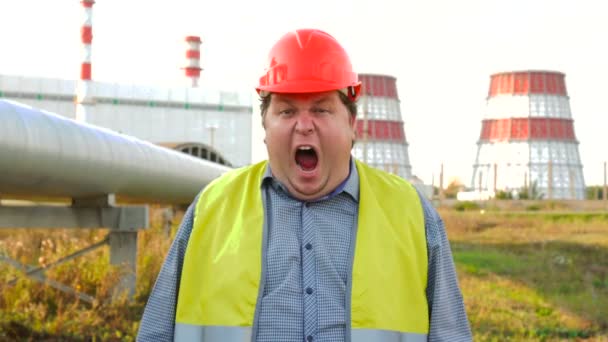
(306, 158)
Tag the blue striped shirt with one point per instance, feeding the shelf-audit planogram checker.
(306, 266)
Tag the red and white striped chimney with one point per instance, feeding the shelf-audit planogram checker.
(193, 56)
(86, 34)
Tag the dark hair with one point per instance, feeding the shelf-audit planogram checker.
(350, 104)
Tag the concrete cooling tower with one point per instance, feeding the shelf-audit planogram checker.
(380, 135)
(527, 139)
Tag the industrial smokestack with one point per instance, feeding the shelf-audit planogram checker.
(193, 56)
(83, 96)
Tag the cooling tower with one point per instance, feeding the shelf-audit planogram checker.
(527, 139)
(380, 135)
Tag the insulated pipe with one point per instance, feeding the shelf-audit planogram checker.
(44, 154)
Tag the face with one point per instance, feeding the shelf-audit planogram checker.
(309, 138)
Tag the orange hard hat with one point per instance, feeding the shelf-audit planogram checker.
(307, 61)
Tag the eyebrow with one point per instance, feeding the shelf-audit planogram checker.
(321, 100)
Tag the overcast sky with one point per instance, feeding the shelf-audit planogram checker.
(441, 52)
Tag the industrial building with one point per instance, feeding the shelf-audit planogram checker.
(206, 123)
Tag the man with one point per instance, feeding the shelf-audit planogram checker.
(311, 245)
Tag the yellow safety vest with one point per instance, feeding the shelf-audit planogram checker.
(222, 266)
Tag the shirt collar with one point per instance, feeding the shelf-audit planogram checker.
(350, 185)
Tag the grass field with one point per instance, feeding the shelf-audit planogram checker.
(532, 276)
(525, 276)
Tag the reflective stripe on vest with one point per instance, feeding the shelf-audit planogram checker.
(222, 264)
(197, 333)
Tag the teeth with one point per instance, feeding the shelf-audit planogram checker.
(305, 148)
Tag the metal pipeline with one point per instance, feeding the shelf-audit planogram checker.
(44, 154)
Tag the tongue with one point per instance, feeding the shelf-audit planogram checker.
(306, 160)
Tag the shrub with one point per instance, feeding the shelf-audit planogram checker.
(466, 205)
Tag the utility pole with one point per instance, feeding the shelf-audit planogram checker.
(605, 192)
(571, 185)
(526, 187)
(212, 129)
(550, 180)
(495, 176)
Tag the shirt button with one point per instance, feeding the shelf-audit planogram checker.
(309, 338)
(309, 290)
(308, 246)
(307, 204)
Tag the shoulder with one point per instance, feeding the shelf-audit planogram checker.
(230, 183)
(236, 177)
(382, 179)
(433, 223)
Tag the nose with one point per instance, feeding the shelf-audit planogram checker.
(305, 124)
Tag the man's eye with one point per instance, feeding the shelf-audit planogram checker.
(286, 112)
(320, 110)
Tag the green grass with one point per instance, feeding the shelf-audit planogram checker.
(525, 276)
(566, 217)
(532, 277)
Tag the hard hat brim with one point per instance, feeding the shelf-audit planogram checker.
(304, 87)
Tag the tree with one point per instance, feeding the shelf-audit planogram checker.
(453, 188)
(504, 195)
(531, 193)
(594, 192)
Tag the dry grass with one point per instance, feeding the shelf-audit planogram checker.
(533, 277)
(31, 310)
(525, 277)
